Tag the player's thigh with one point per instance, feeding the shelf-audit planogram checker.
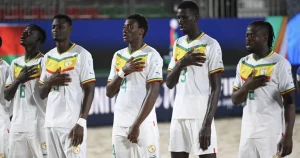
(70, 150)
(148, 140)
(195, 128)
(19, 146)
(54, 141)
(41, 132)
(267, 147)
(247, 148)
(4, 137)
(121, 146)
(179, 140)
(34, 144)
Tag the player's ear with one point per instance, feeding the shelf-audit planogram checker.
(142, 31)
(70, 29)
(266, 38)
(196, 17)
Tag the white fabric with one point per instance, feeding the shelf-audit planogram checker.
(4, 138)
(59, 145)
(184, 137)
(263, 114)
(64, 102)
(258, 147)
(4, 72)
(134, 87)
(147, 146)
(193, 87)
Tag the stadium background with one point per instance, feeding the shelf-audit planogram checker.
(97, 26)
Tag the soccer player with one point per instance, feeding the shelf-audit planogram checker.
(195, 69)
(264, 82)
(4, 111)
(135, 77)
(27, 138)
(68, 80)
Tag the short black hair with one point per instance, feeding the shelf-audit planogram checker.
(270, 31)
(63, 16)
(141, 20)
(189, 5)
(41, 31)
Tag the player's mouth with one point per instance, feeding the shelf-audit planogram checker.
(125, 36)
(22, 39)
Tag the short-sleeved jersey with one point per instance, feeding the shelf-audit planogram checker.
(4, 71)
(298, 75)
(134, 86)
(263, 113)
(193, 87)
(64, 102)
(28, 107)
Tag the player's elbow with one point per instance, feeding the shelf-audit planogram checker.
(109, 93)
(234, 100)
(7, 96)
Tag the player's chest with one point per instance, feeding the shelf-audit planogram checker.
(122, 58)
(257, 69)
(66, 64)
(20, 65)
(182, 49)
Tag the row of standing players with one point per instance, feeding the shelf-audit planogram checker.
(56, 90)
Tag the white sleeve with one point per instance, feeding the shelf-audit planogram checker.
(43, 72)
(284, 75)
(87, 73)
(113, 71)
(172, 61)
(237, 82)
(298, 74)
(10, 79)
(155, 69)
(214, 57)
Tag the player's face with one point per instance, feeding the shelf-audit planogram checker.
(186, 20)
(254, 38)
(131, 31)
(30, 36)
(61, 30)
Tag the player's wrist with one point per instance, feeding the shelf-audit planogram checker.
(81, 122)
(121, 73)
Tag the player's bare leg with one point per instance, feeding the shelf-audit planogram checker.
(208, 156)
(179, 155)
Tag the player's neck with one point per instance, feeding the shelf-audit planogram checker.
(261, 54)
(135, 45)
(193, 34)
(63, 46)
(31, 52)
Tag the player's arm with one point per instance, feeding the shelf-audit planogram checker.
(188, 59)
(10, 90)
(88, 90)
(298, 80)
(113, 86)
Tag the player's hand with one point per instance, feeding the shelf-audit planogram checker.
(133, 65)
(204, 137)
(191, 58)
(58, 79)
(134, 133)
(285, 146)
(25, 74)
(254, 82)
(76, 135)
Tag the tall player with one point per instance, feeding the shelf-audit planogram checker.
(135, 77)
(27, 138)
(68, 80)
(4, 112)
(195, 69)
(264, 81)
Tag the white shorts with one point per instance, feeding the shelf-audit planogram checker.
(147, 146)
(4, 138)
(258, 147)
(60, 146)
(184, 137)
(25, 145)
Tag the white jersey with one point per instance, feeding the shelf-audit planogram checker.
(64, 102)
(28, 108)
(263, 113)
(134, 87)
(193, 88)
(4, 71)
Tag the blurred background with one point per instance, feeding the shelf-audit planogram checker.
(97, 26)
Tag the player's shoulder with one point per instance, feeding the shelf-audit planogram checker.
(18, 60)
(210, 41)
(151, 52)
(246, 58)
(80, 50)
(181, 39)
(279, 60)
(121, 51)
(3, 62)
